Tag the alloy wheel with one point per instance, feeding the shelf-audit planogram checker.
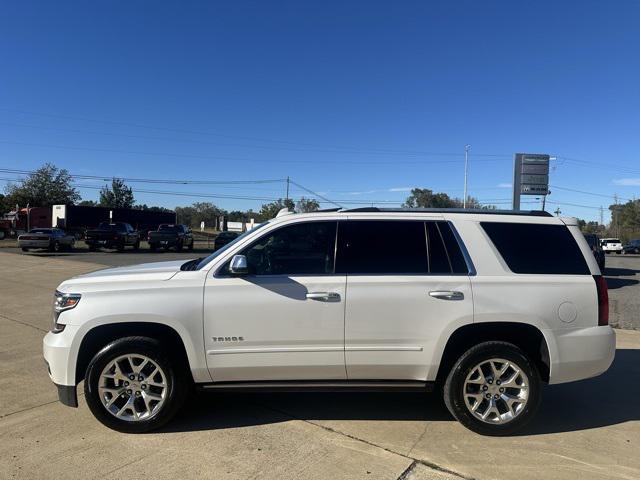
(496, 391)
(133, 387)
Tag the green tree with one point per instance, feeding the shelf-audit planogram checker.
(45, 187)
(625, 220)
(119, 195)
(153, 208)
(199, 212)
(270, 210)
(88, 203)
(4, 205)
(425, 198)
(305, 205)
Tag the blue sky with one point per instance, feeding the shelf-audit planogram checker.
(358, 101)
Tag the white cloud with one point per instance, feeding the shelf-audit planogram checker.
(627, 182)
(505, 185)
(400, 189)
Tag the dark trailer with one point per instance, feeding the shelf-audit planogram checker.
(78, 219)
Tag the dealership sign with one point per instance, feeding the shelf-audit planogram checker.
(530, 176)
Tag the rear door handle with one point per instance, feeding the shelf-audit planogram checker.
(447, 295)
(324, 296)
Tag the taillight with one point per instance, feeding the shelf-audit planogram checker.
(603, 300)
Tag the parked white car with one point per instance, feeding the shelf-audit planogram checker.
(611, 245)
(53, 239)
(488, 305)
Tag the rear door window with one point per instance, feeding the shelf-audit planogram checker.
(536, 248)
(377, 247)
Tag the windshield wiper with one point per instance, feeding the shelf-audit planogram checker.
(191, 265)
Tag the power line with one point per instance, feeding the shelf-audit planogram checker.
(354, 150)
(348, 149)
(235, 159)
(589, 193)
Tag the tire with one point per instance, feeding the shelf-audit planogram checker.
(93, 248)
(153, 247)
(466, 367)
(54, 247)
(120, 247)
(178, 246)
(136, 246)
(25, 249)
(190, 247)
(173, 376)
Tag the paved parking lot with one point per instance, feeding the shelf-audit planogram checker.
(589, 429)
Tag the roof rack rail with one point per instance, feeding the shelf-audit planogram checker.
(532, 213)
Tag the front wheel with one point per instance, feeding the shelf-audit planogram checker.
(132, 386)
(136, 246)
(493, 389)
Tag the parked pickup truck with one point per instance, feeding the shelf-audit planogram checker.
(171, 236)
(113, 235)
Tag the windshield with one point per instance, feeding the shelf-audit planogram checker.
(114, 227)
(612, 240)
(228, 246)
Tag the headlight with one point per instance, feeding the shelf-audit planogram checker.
(62, 302)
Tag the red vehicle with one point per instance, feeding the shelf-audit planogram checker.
(23, 220)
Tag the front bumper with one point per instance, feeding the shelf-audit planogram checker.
(60, 357)
(33, 243)
(581, 353)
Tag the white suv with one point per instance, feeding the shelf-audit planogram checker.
(487, 305)
(611, 245)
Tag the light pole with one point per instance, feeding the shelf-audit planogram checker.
(466, 165)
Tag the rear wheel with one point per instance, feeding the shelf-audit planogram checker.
(191, 245)
(153, 247)
(132, 386)
(120, 247)
(493, 389)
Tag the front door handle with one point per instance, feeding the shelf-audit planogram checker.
(447, 295)
(324, 296)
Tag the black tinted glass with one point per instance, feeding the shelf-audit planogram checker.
(304, 248)
(458, 264)
(380, 247)
(438, 258)
(542, 249)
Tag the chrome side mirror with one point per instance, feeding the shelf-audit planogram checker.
(239, 265)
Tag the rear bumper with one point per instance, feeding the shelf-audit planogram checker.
(581, 353)
(164, 242)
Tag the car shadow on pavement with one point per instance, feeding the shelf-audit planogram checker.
(615, 283)
(609, 399)
(620, 272)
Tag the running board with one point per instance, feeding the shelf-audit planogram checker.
(320, 386)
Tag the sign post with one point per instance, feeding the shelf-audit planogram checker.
(530, 176)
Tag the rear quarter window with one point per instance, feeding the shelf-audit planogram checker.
(537, 249)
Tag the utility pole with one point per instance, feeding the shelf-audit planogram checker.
(288, 181)
(616, 224)
(601, 215)
(466, 166)
(557, 212)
